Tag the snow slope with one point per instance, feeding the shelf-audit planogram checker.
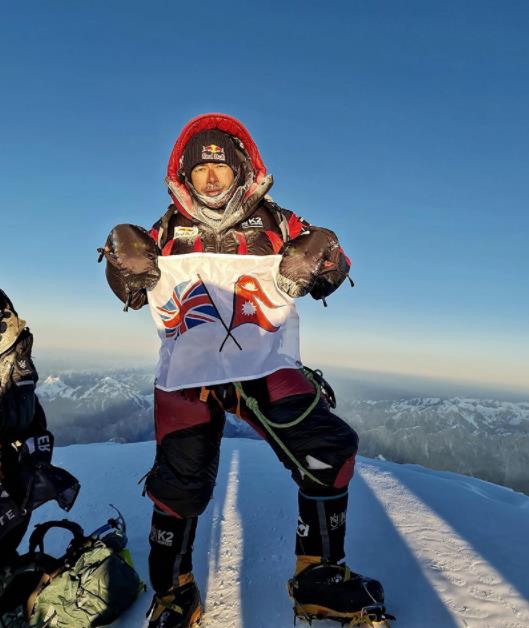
(451, 550)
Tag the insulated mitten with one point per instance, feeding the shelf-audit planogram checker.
(302, 262)
(132, 267)
(334, 270)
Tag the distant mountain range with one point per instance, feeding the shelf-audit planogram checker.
(85, 407)
(488, 439)
(89, 407)
(485, 438)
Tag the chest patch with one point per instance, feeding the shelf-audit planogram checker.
(252, 223)
(185, 232)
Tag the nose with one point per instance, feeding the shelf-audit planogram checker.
(212, 175)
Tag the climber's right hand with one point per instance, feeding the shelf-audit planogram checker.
(132, 267)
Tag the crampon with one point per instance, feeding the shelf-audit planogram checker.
(369, 617)
(333, 591)
(374, 616)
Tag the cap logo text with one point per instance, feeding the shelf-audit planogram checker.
(213, 152)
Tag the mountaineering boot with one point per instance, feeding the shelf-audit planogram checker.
(323, 590)
(180, 607)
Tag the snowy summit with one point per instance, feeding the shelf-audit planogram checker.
(451, 550)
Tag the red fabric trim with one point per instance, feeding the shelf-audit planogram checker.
(168, 248)
(295, 226)
(242, 248)
(345, 473)
(286, 383)
(163, 507)
(222, 122)
(346, 258)
(174, 411)
(197, 246)
(154, 234)
(275, 240)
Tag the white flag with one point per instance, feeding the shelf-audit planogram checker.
(222, 318)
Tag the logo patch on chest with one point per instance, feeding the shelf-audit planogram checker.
(252, 223)
(185, 232)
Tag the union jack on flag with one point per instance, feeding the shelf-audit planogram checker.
(189, 306)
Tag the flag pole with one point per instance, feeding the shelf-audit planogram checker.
(220, 317)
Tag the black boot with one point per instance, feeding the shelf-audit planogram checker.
(179, 608)
(332, 591)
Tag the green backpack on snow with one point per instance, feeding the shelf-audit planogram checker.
(92, 584)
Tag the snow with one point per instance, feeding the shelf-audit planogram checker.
(105, 391)
(53, 387)
(450, 550)
(482, 414)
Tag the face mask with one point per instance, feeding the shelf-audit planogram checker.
(216, 202)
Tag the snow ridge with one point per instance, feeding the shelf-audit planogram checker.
(450, 550)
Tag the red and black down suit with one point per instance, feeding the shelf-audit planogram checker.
(189, 423)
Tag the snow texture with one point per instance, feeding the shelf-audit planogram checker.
(450, 550)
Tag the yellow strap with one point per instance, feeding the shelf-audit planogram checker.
(185, 578)
(204, 394)
(163, 604)
(303, 561)
(238, 407)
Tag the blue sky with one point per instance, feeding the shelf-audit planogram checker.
(400, 125)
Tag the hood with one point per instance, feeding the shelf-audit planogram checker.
(11, 326)
(259, 184)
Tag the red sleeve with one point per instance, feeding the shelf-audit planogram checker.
(295, 226)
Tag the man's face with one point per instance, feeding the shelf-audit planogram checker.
(211, 179)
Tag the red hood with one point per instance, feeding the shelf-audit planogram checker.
(206, 122)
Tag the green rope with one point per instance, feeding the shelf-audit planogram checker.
(253, 405)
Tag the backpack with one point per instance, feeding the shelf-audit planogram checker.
(92, 584)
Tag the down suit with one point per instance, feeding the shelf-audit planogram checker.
(189, 423)
(27, 477)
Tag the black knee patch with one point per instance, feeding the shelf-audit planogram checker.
(183, 476)
(322, 443)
